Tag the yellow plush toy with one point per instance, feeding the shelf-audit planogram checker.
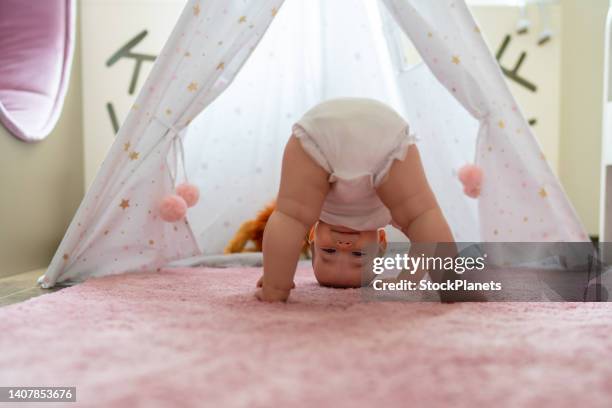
(252, 231)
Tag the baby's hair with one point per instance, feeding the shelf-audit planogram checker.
(311, 233)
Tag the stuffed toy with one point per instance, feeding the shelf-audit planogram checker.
(252, 230)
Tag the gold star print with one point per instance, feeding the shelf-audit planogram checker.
(456, 60)
(126, 147)
(476, 29)
(196, 10)
(151, 242)
(221, 65)
(187, 54)
(501, 124)
(168, 112)
(543, 192)
(242, 19)
(192, 87)
(135, 106)
(429, 34)
(134, 156)
(65, 257)
(124, 204)
(274, 11)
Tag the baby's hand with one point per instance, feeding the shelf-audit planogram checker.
(269, 294)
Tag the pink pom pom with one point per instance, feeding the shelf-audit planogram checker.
(470, 176)
(189, 192)
(172, 208)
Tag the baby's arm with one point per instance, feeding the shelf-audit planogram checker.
(303, 188)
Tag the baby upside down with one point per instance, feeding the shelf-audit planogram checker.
(350, 168)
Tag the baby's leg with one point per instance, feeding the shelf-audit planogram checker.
(412, 204)
(303, 188)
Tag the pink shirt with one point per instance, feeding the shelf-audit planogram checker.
(356, 141)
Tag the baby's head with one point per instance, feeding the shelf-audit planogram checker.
(340, 254)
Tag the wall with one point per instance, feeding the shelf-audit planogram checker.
(42, 185)
(583, 25)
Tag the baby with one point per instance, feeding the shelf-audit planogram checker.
(350, 168)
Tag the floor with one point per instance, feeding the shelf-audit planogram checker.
(197, 336)
(23, 286)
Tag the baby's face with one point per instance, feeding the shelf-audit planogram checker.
(340, 254)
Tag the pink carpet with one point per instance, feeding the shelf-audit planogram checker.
(197, 337)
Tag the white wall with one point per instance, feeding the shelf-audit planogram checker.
(583, 27)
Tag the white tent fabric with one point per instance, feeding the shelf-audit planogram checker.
(457, 103)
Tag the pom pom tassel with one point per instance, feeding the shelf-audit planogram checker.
(189, 192)
(172, 208)
(470, 176)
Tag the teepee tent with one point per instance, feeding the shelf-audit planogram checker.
(218, 106)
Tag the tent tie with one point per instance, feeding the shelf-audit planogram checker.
(176, 139)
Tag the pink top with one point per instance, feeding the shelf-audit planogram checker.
(356, 141)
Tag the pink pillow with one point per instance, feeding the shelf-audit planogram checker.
(36, 47)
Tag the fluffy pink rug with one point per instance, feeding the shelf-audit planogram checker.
(197, 337)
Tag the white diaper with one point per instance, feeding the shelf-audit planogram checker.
(355, 140)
